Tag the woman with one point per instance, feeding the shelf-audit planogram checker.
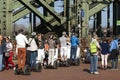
(51, 50)
(40, 44)
(46, 49)
(104, 53)
(9, 59)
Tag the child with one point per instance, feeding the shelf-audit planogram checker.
(46, 45)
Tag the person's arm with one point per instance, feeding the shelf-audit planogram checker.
(9, 48)
(78, 42)
(26, 40)
(111, 47)
(98, 45)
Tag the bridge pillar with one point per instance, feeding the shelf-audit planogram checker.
(108, 21)
(6, 19)
(68, 14)
(116, 17)
(98, 24)
(85, 7)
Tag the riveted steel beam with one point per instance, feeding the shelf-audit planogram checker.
(17, 5)
(20, 13)
(27, 4)
(34, 10)
(49, 9)
(93, 1)
(96, 9)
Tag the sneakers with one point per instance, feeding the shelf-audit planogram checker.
(14, 68)
(91, 72)
(112, 69)
(116, 69)
(96, 72)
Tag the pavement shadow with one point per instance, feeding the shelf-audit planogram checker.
(86, 70)
(108, 67)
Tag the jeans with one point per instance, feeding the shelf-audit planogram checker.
(73, 53)
(1, 62)
(33, 58)
(93, 63)
(28, 55)
(114, 63)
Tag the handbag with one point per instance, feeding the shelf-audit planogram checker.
(27, 45)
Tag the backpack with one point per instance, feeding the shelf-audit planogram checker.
(93, 48)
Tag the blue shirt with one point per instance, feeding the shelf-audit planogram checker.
(74, 41)
(114, 45)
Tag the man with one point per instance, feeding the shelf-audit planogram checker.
(94, 55)
(32, 51)
(114, 53)
(74, 42)
(21, 41)
(1, 53)
(63, 46)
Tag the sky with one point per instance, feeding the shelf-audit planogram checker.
(58, 7)
(104, 17)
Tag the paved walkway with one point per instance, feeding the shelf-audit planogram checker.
(64, 73)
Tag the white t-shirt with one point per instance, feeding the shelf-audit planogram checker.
(63, 41)
(33, 45)
(9, 46)
(21, 40)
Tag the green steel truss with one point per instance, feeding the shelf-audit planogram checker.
(13, 10)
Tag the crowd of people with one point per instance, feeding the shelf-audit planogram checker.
(34, 48)
(104, 49)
